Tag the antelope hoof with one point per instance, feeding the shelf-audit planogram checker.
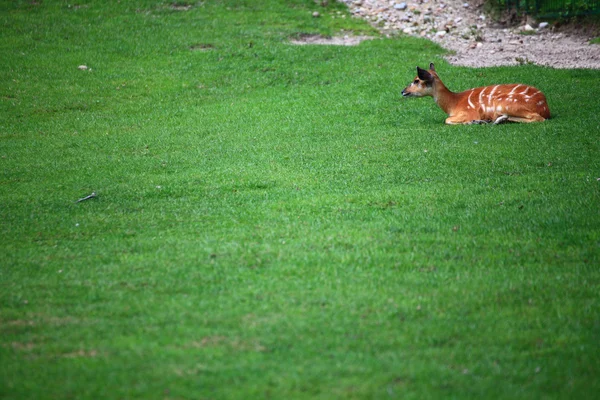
(501, 119)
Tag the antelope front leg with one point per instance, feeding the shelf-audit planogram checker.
(464, 120)
(457, 120)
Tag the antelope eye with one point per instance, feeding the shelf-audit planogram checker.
(416, 82)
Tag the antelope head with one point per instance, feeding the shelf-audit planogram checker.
(423, 84)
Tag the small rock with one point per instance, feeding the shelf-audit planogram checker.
(401, 6)
(440, 34)
(466, 5)
(316, 14)
(543, 25)
(528, 28)
(83, 67)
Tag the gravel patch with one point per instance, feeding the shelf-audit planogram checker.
(475, 41)
(332, 41)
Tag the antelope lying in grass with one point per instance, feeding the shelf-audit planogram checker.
(498, 103)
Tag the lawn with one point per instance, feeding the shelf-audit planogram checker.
(276, 221)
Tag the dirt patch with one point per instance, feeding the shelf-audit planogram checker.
(346, 40)
(81, 354)
(477, 41)
(202, 47)
(218, 341)
(181, 6)
(21, 346)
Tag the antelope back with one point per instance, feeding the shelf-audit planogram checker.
(512, 100)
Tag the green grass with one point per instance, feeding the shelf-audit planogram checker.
(275, 221)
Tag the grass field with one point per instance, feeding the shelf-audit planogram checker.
(275, 221)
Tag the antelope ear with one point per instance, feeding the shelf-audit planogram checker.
(432, 67)
(424, 75)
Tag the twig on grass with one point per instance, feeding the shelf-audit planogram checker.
(91, 196)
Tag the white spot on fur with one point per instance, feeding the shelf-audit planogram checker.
(481, 97)
(492, 93)
(513, 90)
(539, 103)
(469, 100)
